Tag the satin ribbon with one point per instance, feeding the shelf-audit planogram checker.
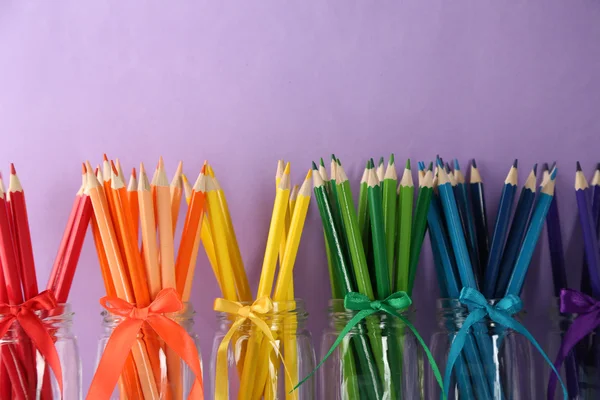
(501, 313)
(34, 328)
(255, 313)
(391, 305)
(588, 319)
(125, 334)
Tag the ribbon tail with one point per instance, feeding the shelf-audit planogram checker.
(221, 378)
(180, 342)
(37, 332)
(512, 323)
(351, 324)
(583, 325)
(434, 366)
(458, 344)
(113, 359)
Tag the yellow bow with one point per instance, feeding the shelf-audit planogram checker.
(255, 313)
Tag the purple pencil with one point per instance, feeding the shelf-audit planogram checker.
(590, 238)
(557, 258)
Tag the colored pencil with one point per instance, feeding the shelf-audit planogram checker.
(363, 211)
(477, 195)
(382, 277)
(406, 192)
(492, 268)
(419, 226)
(388, 193)
(466, 216)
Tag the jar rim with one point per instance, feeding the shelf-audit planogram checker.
(296, 307)
(60, 312)
(187, 312)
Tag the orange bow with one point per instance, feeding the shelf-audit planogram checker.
(34, 328)
(124, 336)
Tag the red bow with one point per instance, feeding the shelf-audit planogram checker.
(124, 336)
(34, 328)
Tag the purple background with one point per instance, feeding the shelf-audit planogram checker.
(245, 83)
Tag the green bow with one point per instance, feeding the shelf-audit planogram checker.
(391, 305)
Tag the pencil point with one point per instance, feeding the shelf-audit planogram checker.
(104, 157)
(407, 166)
(308, 175)
(381, 160)
(391, 160)
(142, 170)
(372, 163)
(544, 167)
(535, 169)
(598, 166)
(133, 173)
(368, 164)
(515, 163)
(474, 163)
(333, 158)
(456, 166)
(430, 166)
(114, 168)
(322, 162)
(83, 170)
(314, 166)
(287, 169)
(578, 166)
(161, 162)
(553, 175)
(88, 167)
(13, 171)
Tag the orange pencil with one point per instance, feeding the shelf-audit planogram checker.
(148, 226)
(176, 190)
(165, 228)
(132, 197)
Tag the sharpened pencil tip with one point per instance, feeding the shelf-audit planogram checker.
(553, 175)
(598, 166)
(161, 162)
(13, 171)
(114, 168)
(368, 164)
(430, 166)
(515, 163)
(456, 166)
(381, 160)
(287, 168)
(578, 166)
(407, 166)
(440, 163)
(83, 170)
(142, 169)
(535, 169)
(447, 168)
(104, 157)
(553, 165)
(372, 163)
(314, 166)
(544, 167)
(322, 162)
(474, 163)
(133, 173)
(391, 160)
(333, 157)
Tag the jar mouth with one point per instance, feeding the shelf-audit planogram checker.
(294, 307)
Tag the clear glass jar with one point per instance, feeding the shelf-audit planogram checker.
(30, 366)
(380, 358)
(581, 369)
(287, 322)
(505, 371)
(151, 366)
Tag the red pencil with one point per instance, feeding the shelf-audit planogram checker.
(18, 208)
(56, 267)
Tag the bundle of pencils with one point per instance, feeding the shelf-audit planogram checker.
(133, 228)
(465, 258)
(18, 282)
(586, 354)
(256, 367)
(373, 250)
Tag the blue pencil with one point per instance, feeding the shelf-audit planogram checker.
(466, 216)
(595, 187)
(447, 279)
(492, 268)
(590, 238)
(477, 195)
(463, 262)
(515, 285)
(517, 232)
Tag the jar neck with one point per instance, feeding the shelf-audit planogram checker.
(57, 323)
(290, 315)
(183, 317)
(339, 316)
(451, 314)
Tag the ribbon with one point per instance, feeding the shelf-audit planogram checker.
(125, 334)
(365, 307)
(34, 328)
(501, 313)
(255, 313)
(588, 319)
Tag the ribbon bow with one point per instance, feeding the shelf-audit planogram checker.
(125, 335)
(34, 328)
(391, 305)
(255, 313)
(501, 313)
(588, 319)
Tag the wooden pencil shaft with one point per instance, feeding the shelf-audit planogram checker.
(388, 190)
(165, 235)
(405, 223)
(189, 237)
(557, 258)
(150, 248)
(418, 232)
(467, 219)
(379, 242)
(8, 258)
(480, 220)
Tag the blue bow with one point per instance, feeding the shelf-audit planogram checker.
(501, 313)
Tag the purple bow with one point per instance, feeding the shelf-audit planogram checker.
(588, 319)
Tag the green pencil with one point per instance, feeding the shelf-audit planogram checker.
(419, 226)
(379, 237)
(380, 169)
(390, 181)
(363, 211)
(405, 220)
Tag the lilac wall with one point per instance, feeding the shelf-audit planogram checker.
(243, 85)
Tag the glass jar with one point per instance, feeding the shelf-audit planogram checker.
(581, 369)
(287, 323)
(31, 368)
(504, 370)
(151, 366)
(379, 358)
